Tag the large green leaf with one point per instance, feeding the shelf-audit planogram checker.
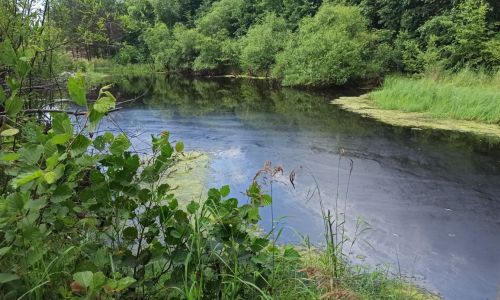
(23, 67)
(24, 178)
(104, 104)
(80, 145)
(7, 53)
(61, 193)
(84, 278)
(9, 132)
(61, 123)
(8, 157)
(119, 145)
(31, 154)
(76, 89)
(50, 177)
(60, 139)
(13, 106)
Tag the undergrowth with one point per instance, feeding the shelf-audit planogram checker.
(466, 95)
(82, 216)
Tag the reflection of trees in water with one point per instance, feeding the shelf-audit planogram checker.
(261, 105)
(257, 103)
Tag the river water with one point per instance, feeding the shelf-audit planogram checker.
(430, 201)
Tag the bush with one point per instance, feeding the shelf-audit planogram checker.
(262, 43)
(129, 55)
(173, 49)
(83, 216)
(461, 37)
(333, 47)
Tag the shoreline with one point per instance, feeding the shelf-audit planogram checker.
(364, 106)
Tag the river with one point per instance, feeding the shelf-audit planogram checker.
(431, 200)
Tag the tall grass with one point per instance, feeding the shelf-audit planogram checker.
(466, 95)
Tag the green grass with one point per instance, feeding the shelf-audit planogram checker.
(356, 282)
(466, 95)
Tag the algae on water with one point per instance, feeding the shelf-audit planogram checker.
(364, 105)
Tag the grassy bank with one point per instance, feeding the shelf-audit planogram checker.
(463, 96)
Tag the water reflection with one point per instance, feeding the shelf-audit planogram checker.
(432, 198)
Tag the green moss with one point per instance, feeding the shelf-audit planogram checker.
(365, 106)
(189, 177)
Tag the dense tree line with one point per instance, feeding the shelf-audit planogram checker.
(300, 42)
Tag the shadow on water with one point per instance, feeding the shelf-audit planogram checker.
(432, 198)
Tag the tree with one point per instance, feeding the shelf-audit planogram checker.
(263, 42)
(462, 36)
(333, 47)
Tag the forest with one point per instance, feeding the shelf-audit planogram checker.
(83, 215)
(305, 42)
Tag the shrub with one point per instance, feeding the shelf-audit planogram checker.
(333, 47)
(262, 43)
(83, 216)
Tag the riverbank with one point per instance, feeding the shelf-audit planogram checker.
(366, 106)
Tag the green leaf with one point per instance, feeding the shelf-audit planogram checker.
(24, 178)
(50, 177)
(60, 139)
(22, 68)
(119, 145)
(124, 283)
(266, 200)
(192, 207)
(225, 190)
(98, 280)
(7, 54)
(80, 145)
(104, 104)
(76, 89)
(8, 157)
(291, 253)
(130, 233)
(259, 244)
(35, 205)
(13, 106)
(61, 193)
(7, 277)
(31, 154)
(61, 123)
(99, 143)
(84, 278)
(179, 147)
(9, 132)
(94, 118)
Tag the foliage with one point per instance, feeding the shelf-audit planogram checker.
(333, 47)
(467, 95)
(462, 37)
(172, 49)
(262, 43)
(96, 222)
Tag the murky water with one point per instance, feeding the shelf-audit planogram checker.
(432, 200)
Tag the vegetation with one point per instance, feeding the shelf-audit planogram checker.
(465, 96)
(82, 215)
(306, 42)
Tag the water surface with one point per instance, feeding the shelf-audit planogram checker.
(431, 199)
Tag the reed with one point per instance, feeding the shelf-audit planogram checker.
(467, 95)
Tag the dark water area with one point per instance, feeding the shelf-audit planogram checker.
(431, 199)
